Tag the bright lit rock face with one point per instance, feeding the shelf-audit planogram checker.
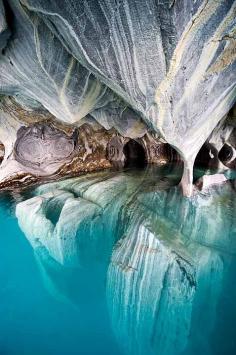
(159, 253)
(168, 66)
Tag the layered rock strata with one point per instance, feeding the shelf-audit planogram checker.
(38, 147)
(132, 65)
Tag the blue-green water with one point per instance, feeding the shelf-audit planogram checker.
(118, 263)
(32, 321)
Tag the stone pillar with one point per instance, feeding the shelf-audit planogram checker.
(187, 178)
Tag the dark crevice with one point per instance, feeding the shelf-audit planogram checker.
(135, 156)
(9, 20)
(226, 153)
(207, 157)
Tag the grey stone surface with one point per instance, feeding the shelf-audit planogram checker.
(172, 62)
(40, 145)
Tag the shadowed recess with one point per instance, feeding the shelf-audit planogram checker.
(134, 154)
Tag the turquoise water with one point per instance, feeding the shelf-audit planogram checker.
(32, 321)
(118, 263)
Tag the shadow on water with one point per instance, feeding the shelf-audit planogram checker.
(129, 261)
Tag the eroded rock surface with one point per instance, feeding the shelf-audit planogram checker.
(133, 65)
(40, 145)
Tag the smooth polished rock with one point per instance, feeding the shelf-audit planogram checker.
(37, 67)
(127, 64)
(146, 56)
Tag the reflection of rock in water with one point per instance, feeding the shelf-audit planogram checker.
(153, 293)
(71, 284)
(205, 219)
(64, 216)
(80, 216)
(161, 285)
(57, 279)
(150, 291)
(167, 271)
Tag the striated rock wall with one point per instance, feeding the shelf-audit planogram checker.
(36, 147)
(132, 65)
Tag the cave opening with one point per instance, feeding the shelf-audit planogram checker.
(135, 156)
(226, 153)
(206, 157)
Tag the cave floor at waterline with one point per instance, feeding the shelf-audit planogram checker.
(118, 263)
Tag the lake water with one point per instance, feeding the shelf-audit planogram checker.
(118, 263)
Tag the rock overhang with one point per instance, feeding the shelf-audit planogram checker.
(125, 64)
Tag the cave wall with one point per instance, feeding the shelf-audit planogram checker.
(132, 65)
(36, 147)
(174, 62)
(219, 150)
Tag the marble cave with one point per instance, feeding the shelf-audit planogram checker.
(117, 177)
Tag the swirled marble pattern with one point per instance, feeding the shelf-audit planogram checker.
(42, 144)
(168, 64)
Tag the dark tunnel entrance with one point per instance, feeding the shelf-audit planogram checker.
(226, 153)
(135, 156)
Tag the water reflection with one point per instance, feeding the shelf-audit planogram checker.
(159, 263)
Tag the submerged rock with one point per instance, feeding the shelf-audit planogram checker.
(70, 213)
(159, 254)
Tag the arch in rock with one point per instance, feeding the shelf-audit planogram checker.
(227, 155)
(207, 157)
